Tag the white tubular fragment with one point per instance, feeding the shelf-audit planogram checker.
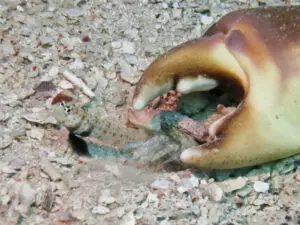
(200, 83)
(79, 83)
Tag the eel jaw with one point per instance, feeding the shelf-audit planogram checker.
(249, 47)
(149, 92)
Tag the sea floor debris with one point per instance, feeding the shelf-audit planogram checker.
(43, 182)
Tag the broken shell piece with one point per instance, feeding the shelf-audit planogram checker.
(79, 83)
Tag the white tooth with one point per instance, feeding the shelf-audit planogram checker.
(188, 154)
(191, 84)
(150, 92)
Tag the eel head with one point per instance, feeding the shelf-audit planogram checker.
(253, 55)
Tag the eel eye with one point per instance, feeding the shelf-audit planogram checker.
(68, 108)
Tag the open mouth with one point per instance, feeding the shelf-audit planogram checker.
(205, 114)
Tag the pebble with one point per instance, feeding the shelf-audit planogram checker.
(36, 133)
(91, 81)
(114, 169)
(111, 75)
(102, 210)
(206, 20)
(127, 72)
(44, 40)
(53, 72)
(128, 219)
(276, 184)
(5, 199)
(181, 189)
(161, 184)
(214, 192)
(27, 194)
(8, 170)
(76, 65)
(17, 164)
(177, 13)
(8, 99)
(78, 214)
(4, 113)
(5, 141)
(40, 117)
(194, 180)
(165, 222)
(73, 13)
(120, 212)
(50, 170)
(64, 84)
(128, 47)
(233, 184)
(106, 198)
(260, 186)
(116, 44)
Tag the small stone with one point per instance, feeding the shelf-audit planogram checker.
(36, 133)
(53, 72)
(5, 199)
(4, 112)
(128, 219)
(64, 216)
(5, 141)
(76, 65)
(8, 170)
(182, 204)
(79, 214)
(177, 13)
(127, 72)
(194, 180)
(106, 198)
(181, 189)
(165, 222)
(46, 40)
(111, 75)
(73, 13)
(8, 99)
(260, 186)
(232, 185)
(206, 20)
(214, 192)
(17, 164)
(164, 5)
(116, 44)
(276, 184)
(64, 84)
(40, 117)
(128, 47)
(100, 210)
(161, 184)
(27, 194)
(120, 212)
(63, 161)
(114, 169)
(3, 190)
(50, 170)
(90, 81)
(45, 197)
